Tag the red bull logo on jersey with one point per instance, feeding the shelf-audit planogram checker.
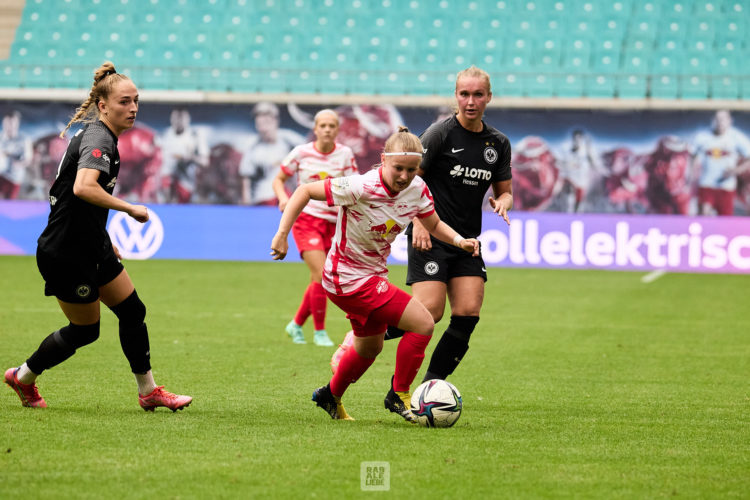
(319, 176)
(390, 227)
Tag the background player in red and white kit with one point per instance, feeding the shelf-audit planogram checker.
(719, 156)
(463, 158)
(184, 152)
(375, 207)
(314, 228)
(15, 157)
(75, 255)
(580, 168)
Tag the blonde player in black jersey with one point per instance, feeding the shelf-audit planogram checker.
(75, 256)
(463, 158)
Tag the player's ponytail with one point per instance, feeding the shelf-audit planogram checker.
(105, 77)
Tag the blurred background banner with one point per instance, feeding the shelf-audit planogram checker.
(551, 240)
(592, 161)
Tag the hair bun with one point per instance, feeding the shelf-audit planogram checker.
(402, 128)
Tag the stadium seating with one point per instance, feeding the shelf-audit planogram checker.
(693, 49)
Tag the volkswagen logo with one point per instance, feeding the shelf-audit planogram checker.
(133, 239)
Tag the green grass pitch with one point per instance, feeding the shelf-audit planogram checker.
(578, 384)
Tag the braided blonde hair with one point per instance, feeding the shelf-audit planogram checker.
(105, 78)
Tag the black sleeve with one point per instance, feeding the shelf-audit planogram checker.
(432, 141)
(504, 173)
(96, 149)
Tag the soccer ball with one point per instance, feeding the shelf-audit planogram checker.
(436, 403)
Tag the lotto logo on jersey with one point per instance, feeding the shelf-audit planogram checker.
(388, 228)
(469, 174)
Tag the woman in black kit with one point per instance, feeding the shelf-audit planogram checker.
(463, 158)
(75, 255)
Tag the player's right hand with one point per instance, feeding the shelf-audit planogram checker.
(420, 237)
(279, 247)
(139, 213)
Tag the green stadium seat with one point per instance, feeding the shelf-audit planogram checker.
(363, 82)
(677, 9)
(512, 84)
(37, 76)
(620, 8)
(421, 83)
(568, 85)
(702, 28)
(155, 78)
(647, 9)
(707, 8)
(9, 75)
(696, 63)
(668, 63)
(606, 62)
(273, 81)
(694, 87)
(745, 88)
(674, 28)
(602, 86)
(635, 64)
(725, 87)
(306, 82)
(241, 80)
(186, 78)
(632, 86)
(664, 87)
(540, 86)
(670, 43)
(334, 82)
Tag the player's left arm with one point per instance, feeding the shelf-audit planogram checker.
(447, 234)
(502, 201)
(302, 195)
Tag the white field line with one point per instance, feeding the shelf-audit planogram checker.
(653, 276)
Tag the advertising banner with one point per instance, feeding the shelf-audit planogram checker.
(549, 240)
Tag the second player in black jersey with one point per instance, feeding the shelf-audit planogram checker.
(459, 166)
(76, 228)
(75, 255)
(463, 158)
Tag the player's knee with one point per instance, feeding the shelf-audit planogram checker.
(131, 311)
(77, 336)
(462, 326)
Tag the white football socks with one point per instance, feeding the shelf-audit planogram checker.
(25, 376)
(146, 384)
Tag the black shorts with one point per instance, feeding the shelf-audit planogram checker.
(442, 263)
(77, 280)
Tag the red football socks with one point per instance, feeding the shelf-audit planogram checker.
(351, 367)
(318, 301)
(409, 357)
